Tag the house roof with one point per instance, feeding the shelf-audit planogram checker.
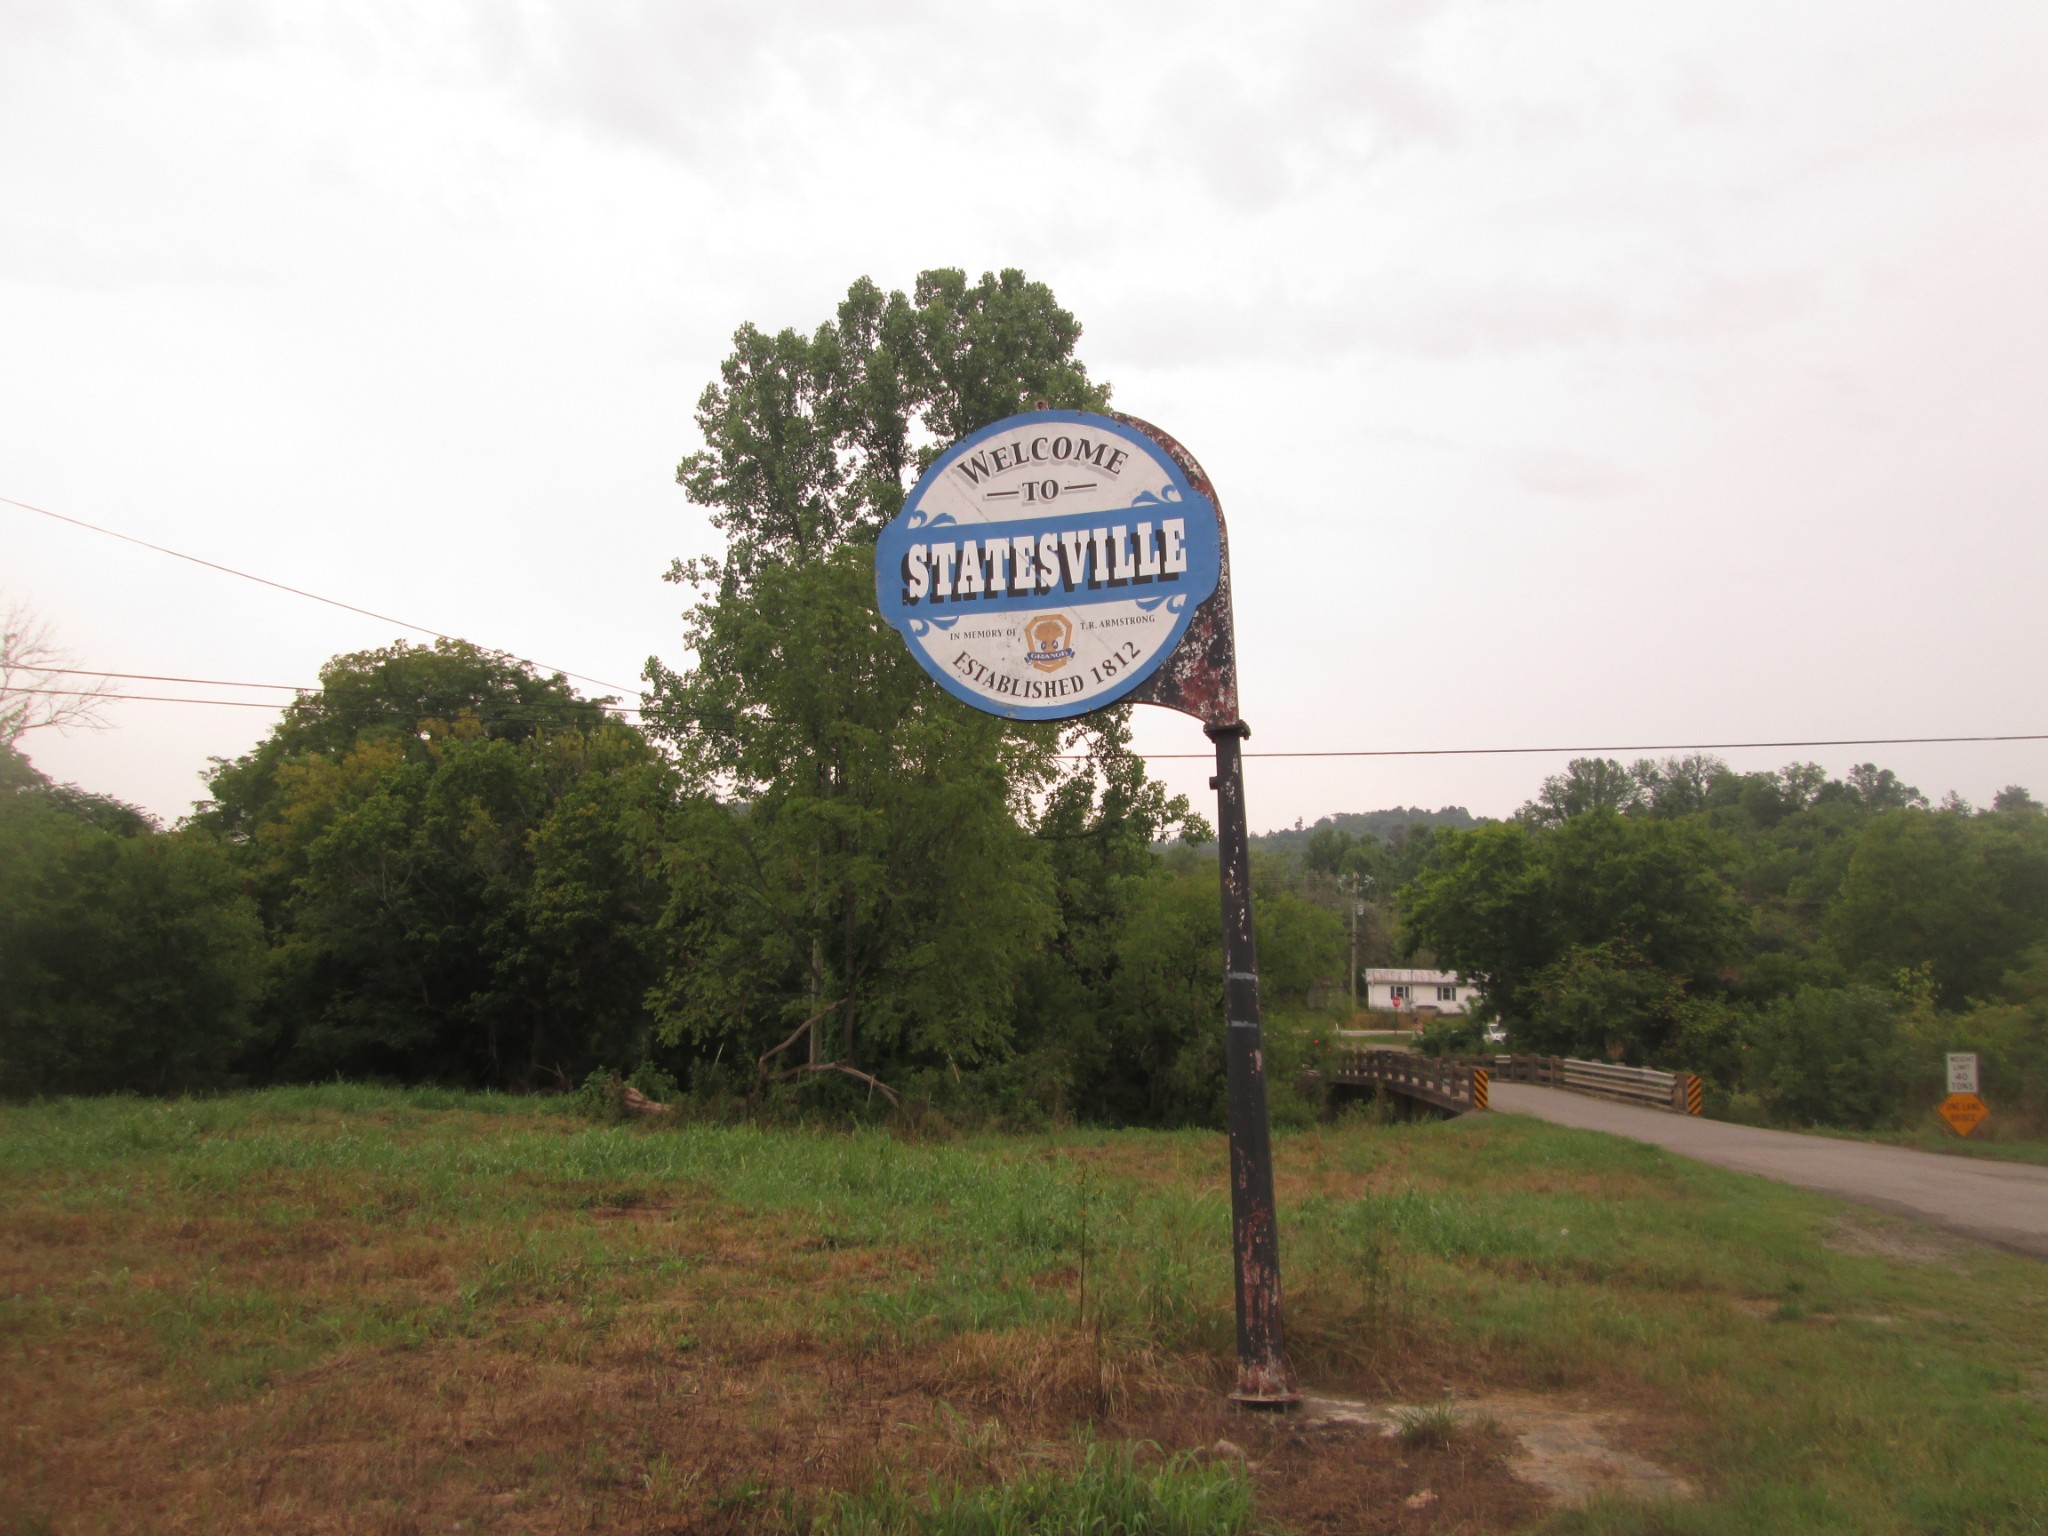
(1412, 978)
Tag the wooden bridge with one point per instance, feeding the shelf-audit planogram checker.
(1446, 1083)
(1456, 1085)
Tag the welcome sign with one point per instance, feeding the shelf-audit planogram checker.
(1046, 565)
(1051, 565)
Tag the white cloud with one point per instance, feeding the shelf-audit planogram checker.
(1613, 323)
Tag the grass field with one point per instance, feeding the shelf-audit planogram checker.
(1998, 1144)
(355, 1309)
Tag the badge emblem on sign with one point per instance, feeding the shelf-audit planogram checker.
(1047, 565)
(1048, 637)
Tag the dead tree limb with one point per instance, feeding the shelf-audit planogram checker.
(873, 1082)
(796, 1034)
(40, 686)
(637, 1103)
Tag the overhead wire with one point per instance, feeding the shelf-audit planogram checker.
(230, 683)
(265, 581)
(538, 713)
(1367, 752)
(1682, 746)
(158, 677)
(1362, 752)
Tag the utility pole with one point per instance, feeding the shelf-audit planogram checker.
(1357, 909)
(1359, 886)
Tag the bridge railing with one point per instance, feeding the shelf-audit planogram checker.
(1678, 1091)
(1443, 1081)
(1459, 1084)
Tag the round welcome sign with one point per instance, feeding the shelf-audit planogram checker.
(1047, 565)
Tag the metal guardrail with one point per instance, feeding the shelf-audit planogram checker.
(1678, 1091)
(1461, 1084)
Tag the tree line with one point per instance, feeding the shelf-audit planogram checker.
(1811, 945)
(806, 874)
(805, 870)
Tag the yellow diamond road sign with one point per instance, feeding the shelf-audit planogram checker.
(1964, 1112)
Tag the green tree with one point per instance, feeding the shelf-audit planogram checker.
(885, 894)
(1872, 788)
(1658, 885)
(1156, 1052)
(2010, 1037)
(1678, 786)
(1601, 906)
(400, 694)
(866, 858)
(1832, 1056)
(459, 869)
(1107, 1029)
(1301, 945)
(129, 958)
(1482, 907)
(1330, 851)
(1604, 1000)
(1967, 895)
(1588, 784)
(2014, 800)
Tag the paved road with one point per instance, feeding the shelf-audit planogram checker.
(2003, 1203)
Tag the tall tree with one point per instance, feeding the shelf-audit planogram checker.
(400, 695)
(1558, 924)
(129, 957)
(1966, 895)
(879, 888)
(1587, 784)
(458, 867)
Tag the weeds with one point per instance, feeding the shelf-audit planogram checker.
(1435, 1425)
(1108, 1492)
(602, 1096)
(249, 1308)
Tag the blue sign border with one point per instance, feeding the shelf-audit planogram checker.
(1175, 496)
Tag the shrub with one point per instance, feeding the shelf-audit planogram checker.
(129, 958)
(1832, 1056)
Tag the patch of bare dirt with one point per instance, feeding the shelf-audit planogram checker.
(1865, 1237)
(1568, 1453)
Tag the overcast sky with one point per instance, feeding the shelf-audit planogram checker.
(1573, 372)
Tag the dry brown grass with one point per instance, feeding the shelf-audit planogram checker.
(303, 1358)
(352, 1310)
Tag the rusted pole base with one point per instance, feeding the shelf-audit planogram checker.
(1264, 1377)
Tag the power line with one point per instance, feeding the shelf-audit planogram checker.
(265, 581)
(155, 698)
(219, 682)
(628, 709)
(1082, 757)
(1683, 746)
(387, 714)
(157, 677)
(1149, 756)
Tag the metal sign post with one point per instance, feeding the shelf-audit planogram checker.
(1962, 1109)
(1056, 563)
(1263, 1374)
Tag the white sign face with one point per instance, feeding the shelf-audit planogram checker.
(1962, 1071)
(1045, 566)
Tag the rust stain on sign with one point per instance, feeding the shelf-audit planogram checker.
(1200, 677)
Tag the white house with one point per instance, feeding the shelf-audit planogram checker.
(1392, 990)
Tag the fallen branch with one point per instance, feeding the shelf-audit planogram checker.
(873, 1082)
(637, 1103)
(796, 1034)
